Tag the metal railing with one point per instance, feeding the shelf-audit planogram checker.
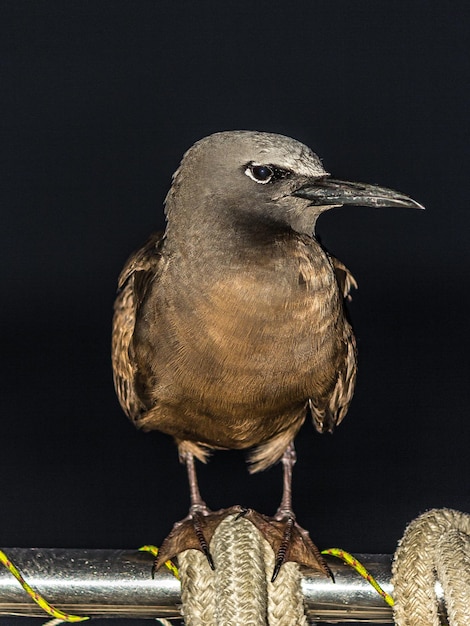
(118, 583)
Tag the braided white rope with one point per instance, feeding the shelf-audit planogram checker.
(435, 546)
(239, 592)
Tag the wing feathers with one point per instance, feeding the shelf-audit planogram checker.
(134, 280)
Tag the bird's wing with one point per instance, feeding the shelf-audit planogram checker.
(329, 411)
(345, 279)
(138, 272)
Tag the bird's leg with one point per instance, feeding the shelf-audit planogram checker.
(289, 541)
(289, 459)
(198, 507)
(285, 512)
(196, 529)
(197, 503)
(294, 536)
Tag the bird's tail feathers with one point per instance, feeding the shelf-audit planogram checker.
(199, 450)
(323, 418)
(269, 453)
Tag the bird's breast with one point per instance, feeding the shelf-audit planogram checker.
(251, 343)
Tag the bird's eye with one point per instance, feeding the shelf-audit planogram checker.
(259, 173)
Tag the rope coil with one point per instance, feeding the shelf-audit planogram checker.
(239, 590)
(435, 546)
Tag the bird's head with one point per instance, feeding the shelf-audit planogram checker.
(263, 179)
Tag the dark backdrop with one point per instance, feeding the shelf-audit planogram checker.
(99, 101)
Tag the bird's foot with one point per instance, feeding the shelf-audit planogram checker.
(289, 541)
(194, 532)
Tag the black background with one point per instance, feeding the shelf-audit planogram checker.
(99, 101)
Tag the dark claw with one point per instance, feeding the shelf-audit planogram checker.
(242, 513)
(208, 556)
(282, 552)
(202, 539)
(276, 569)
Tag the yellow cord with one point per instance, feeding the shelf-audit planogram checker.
(45, 606)
(169, 564)
(360, 569)
(51, 610)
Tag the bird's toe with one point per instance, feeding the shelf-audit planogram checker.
(193, 532)
(289, 541)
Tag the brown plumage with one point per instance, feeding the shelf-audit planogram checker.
(230, 327)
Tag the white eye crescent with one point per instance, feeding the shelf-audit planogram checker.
(261, 174)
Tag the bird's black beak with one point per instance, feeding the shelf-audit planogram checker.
(329, 192)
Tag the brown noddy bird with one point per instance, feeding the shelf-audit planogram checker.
(230, 327)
